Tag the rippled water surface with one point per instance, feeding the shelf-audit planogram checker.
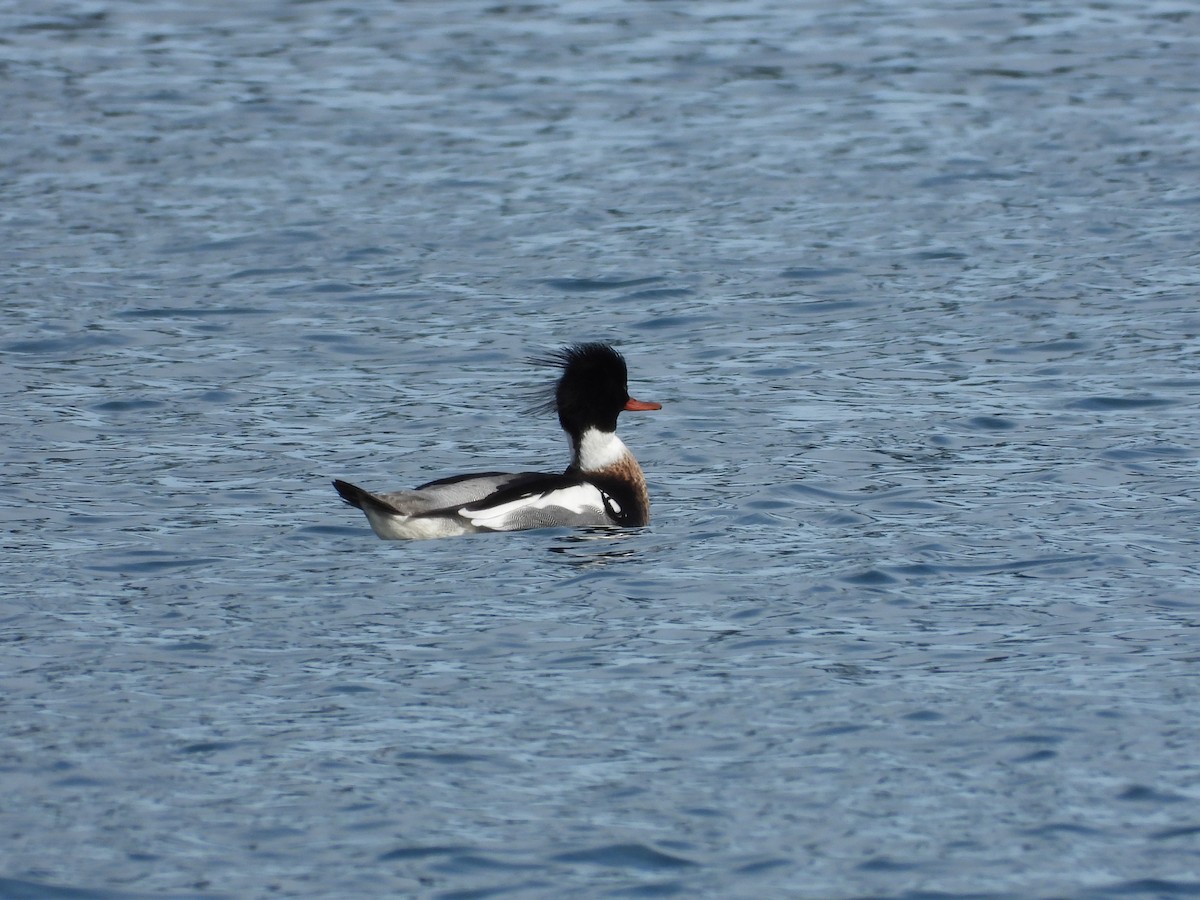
(917, 287)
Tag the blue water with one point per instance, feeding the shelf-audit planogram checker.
(917, 287)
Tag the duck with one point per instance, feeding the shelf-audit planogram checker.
(603, 486)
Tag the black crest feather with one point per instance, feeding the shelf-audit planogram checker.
(589, 361)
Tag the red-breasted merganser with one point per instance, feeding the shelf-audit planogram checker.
(604, 484)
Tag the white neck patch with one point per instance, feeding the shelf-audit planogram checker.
(599, 450)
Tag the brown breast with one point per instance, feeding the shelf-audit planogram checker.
(627, 475)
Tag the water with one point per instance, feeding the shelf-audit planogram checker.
(916, 286)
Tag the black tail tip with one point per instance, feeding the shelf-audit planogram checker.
(351, 493)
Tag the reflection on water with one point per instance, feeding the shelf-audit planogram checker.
(589, 548)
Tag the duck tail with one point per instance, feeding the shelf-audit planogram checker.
(352, 493)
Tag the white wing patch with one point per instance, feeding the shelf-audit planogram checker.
(578, 499)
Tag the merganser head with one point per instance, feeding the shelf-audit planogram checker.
(593, 389)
